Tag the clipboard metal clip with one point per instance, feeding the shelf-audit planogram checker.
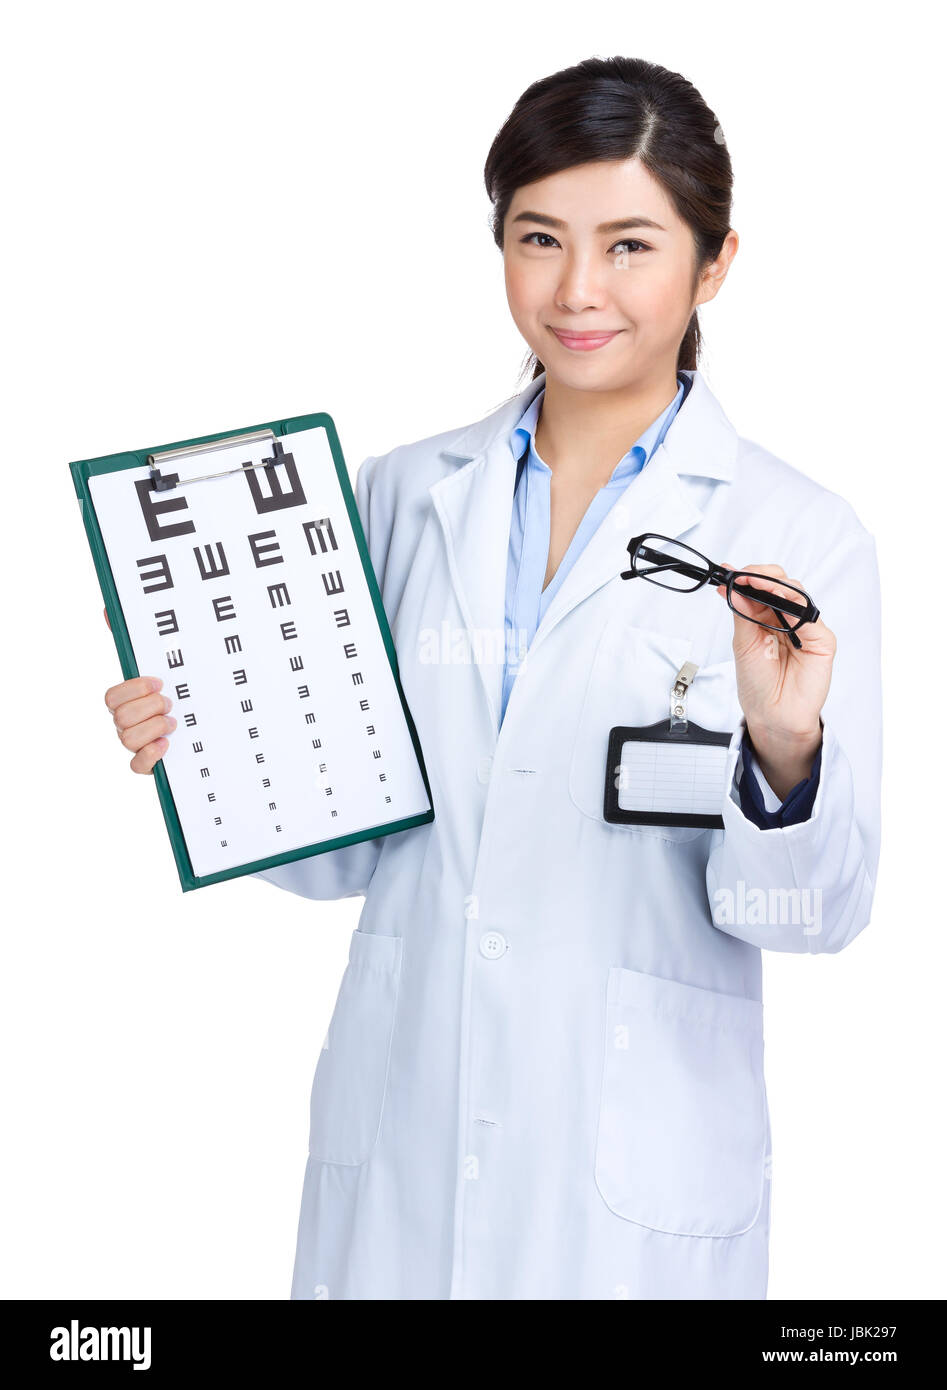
(166, 482)
(683, 679)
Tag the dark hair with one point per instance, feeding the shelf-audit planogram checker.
(620, 108)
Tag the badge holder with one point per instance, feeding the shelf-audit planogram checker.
(669, 773)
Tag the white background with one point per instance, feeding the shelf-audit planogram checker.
(218, 214)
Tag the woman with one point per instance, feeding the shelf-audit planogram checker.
(543, 1076)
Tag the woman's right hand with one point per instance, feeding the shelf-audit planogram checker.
(141, 718)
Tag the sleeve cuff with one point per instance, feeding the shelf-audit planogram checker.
(759, 802)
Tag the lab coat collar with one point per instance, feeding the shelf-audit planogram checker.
(701, 441)
(474, 507)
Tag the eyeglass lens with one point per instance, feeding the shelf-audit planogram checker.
(670, 564)
(756, 596)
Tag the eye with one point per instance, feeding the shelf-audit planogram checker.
(528, 240)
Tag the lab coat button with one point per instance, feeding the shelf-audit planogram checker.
(483, 770)
(492, 945)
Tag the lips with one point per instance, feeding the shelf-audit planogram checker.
(584, 342)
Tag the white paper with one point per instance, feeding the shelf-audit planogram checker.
(681, 777)
(310, 742)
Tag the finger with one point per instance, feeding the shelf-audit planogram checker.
(136, 736)
(134, 712)
(145, 759)
(131, 690)
(106, 617)
(725, 564)
(817, 637)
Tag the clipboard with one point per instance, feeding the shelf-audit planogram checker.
(196, 458)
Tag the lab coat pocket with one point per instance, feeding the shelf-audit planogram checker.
(348, 1091)
(630, 680)
(682, 1124)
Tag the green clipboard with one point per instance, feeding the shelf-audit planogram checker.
(84, 469)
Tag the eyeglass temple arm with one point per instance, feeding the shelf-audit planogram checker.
(789, 631)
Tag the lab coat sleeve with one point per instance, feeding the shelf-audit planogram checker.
(345, 872)
(808, 887)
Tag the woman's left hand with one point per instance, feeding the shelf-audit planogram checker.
(781, 688)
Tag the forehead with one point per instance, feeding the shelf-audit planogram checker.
(601, 191)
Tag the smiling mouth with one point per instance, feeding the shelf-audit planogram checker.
(583, 342)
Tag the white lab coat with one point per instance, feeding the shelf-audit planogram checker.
(543, 1078)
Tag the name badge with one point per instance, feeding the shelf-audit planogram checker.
(673, 772)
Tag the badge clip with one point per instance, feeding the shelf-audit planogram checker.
(683, 679)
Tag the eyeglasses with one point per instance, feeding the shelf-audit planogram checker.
(685, 569)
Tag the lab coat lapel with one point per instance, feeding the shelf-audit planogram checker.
(475, 506)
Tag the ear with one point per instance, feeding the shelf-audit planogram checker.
(714, 274)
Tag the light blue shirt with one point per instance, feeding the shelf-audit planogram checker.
(526, 599)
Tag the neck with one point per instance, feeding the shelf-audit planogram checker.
(588, 432)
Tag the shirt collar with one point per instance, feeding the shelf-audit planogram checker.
(523, 434)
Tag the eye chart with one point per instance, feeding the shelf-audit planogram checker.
(236, 570)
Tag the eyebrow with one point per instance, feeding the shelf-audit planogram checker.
(623, 223)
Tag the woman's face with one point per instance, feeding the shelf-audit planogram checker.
(570, 267)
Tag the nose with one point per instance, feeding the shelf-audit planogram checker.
(579, 286)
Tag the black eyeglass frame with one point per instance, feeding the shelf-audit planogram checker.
(709, 573)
